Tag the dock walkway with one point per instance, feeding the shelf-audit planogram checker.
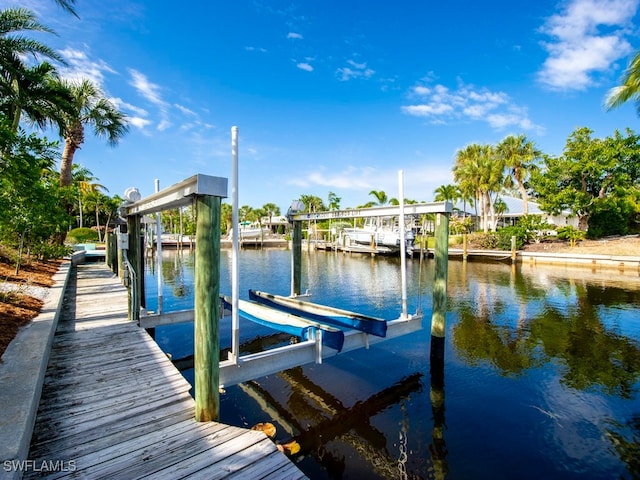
(114, 406)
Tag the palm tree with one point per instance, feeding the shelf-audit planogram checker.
(83, 181)
(447, 193)
(629, 88)
(96, 201)
(34, 91)
(37, 93)
(381, 197)
(68, 6)
(312, 203)
(334, 201)
(477, 169)
(518, 155)
(271, 209)
(90, 107)
(13, 45)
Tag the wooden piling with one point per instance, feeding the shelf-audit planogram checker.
(296, 261)
(206, 309)
(441, 257)
(135, 259)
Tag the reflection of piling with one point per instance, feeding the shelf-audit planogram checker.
(464, 246)
(296, 258)
(438, 446)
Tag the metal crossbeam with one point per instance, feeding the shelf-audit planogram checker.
(178, 195)
(411, 209)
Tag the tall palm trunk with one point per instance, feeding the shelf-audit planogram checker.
(73, 139)
(98, 222)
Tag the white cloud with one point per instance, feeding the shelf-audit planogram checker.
(139, 122)
(304, 66)
(294, 36)
(256, 49)
(355, 70)
(81, 67)
(163, 125)
(185, 110)
(147, 89)
(353, 184)
(441, 105)
(588, 36)
(122, 105)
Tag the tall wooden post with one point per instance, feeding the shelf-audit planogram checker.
(135, 256)
(119, 255)
(438, 317)
(207, 308)
(296, 258)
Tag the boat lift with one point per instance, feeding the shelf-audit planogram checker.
(206, 193)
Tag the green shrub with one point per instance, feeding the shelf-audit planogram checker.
(570, 233)
(485, 240)
(81, 235)
(505, 234)
(47, 251)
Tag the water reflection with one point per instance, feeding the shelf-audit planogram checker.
(626, 440)
(315, 418)
(594, 354)
(542, 370)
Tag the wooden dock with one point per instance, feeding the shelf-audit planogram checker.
(114, 406)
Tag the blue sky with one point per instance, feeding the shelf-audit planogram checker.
(337, 96)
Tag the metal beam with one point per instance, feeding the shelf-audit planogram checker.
(178, 195)
(411, 209)
(257, 365)
(169, 318)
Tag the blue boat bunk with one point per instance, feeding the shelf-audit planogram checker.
(322, 313)
(289, 323)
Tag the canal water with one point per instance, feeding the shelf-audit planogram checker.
(541, 376)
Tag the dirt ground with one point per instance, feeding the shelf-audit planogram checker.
(629, 245)
(18, 308)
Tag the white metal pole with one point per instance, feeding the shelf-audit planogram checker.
(159, 252)
(235, 271)
(403, 246)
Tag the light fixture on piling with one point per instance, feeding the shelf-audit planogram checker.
(297, 206)
(132, 194)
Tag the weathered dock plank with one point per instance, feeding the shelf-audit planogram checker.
(113, 405)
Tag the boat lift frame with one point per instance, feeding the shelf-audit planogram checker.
(206, 193)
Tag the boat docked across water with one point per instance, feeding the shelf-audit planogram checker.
(381, 231)
(249, 231)
(322, 313)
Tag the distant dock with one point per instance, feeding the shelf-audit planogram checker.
(114, 406)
